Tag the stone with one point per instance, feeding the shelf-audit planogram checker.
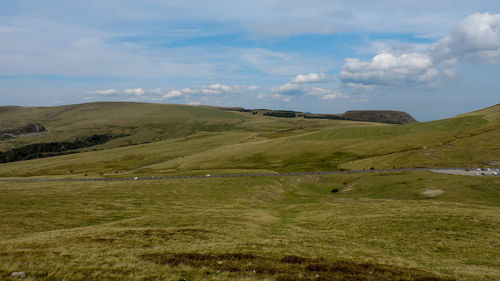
(20, 274)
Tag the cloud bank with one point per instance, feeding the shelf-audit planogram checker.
(474, 40)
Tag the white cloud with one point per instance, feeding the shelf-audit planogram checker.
(187, 90)
(213, 89)
(172, 94)
(326, 94)
(261, 96)
(106, 92)
(220, 87)
(366, 88)
(238, 88)
(475, 39)
(288, 88)
(310, 78)
(137, 91)
(284, 98)
(388, 69)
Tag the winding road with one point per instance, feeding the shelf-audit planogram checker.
(457, 171)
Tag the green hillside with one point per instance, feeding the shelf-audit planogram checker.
(143, 134)
(380, 226)
(181, 139)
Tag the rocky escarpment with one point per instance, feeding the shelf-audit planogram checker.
(25, 130)
(381, 116)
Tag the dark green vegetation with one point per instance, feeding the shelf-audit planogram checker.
(50, 149)
(388, 226)
(28, 129)
(280, 113)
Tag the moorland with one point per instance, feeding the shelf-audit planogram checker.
(415, 225)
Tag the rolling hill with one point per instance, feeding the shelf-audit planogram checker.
(154, 138)
(369, 226)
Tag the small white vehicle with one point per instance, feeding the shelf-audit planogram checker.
(136, 178)
(495, 173)
(477, 174)
(208, 175)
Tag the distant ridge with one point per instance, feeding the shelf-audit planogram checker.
(381, 116)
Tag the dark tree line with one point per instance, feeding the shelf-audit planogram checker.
(48, 149)
(285, 114)
(325, 116)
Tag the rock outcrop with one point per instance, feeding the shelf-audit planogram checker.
(25, 130)
(381, 116)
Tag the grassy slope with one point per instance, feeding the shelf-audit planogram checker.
(163, 132)
(460, 141)
(144, 121)
(226, 140)
(107, 230)
(135, 230)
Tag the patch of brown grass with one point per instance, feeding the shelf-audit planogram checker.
(290, 267)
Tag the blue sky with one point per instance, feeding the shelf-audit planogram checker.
(433, 59)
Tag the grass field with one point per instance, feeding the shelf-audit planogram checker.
(226, 140)
(387, 226)
(224, 229)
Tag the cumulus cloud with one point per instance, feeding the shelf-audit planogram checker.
(137, 92)
(475, 39)
(388, 69)
(220, 87)
(106, 92)
(296, 87)
(172, 94)
(213, 89)
(310, 78)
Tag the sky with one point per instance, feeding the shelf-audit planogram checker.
(433, 59)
